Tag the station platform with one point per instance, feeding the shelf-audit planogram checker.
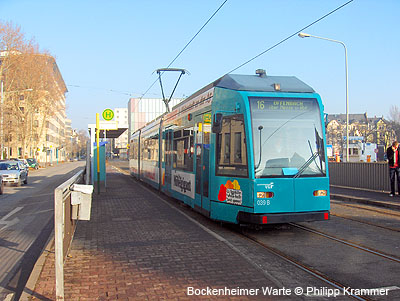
(367, 197)
(138, 247)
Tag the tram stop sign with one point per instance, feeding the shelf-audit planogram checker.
(108, 114)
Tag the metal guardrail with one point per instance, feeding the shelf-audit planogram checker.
(64, 227)
(373, 176)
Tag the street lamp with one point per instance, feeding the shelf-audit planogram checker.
(306, 35)
(2, 113)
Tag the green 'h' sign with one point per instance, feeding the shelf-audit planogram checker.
(108, 114)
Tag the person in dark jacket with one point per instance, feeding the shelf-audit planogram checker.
(394, 166)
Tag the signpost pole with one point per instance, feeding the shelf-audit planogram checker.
(98, 151)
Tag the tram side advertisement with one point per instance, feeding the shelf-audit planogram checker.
(183, 182)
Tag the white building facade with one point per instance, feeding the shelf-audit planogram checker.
(144, 110)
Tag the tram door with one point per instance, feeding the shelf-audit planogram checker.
(166, 181)
(203, 136)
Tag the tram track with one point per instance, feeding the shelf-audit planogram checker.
(377, 210)
(348, 243)
(327, 278)
(365, 222)
(311, 271)
(385, 212)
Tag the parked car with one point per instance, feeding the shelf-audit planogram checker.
(14, 172)
(24, 163)
(33, 163)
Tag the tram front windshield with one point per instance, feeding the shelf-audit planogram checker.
(287, 137)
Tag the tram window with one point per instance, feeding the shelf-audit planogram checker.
(183, 150)
(168, 148)
(149, 150)
(227, 147)
(134, 147)
(231, 155)
(238, 148)
(179, 145)
(206, 133)
(177, 134)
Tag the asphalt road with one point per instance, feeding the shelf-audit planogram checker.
(26, 222)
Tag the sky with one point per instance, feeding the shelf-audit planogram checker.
(107, 51)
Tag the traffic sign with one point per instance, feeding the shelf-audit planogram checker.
(108, 114)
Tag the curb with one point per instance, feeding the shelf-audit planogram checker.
(29, 289)
(347, 198)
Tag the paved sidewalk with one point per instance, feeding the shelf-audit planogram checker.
(136, 247)
(369, 197)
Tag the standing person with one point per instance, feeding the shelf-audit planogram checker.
(394, 167)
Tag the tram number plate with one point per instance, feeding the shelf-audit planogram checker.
(263, 202)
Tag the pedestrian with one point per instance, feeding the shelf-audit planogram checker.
(394, 167)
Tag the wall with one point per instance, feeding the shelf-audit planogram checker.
(373, 176)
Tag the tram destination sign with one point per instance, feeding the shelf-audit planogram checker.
(281, 104)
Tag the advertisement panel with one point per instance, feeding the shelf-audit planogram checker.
(183, 182)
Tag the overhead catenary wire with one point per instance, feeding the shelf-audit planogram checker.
(183, 49)
(243, 64)
(129, 93)
(289, 37)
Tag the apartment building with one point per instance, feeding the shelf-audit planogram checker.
(376, 130)
(37, 127)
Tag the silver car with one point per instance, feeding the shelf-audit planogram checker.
(13, 172)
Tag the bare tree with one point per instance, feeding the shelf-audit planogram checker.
(30, 84)
(11, 41)
(83, 138)
(394, 113)
(394, 119)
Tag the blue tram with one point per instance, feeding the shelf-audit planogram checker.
(245, 149)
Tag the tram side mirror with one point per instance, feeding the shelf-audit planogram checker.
(217, 123)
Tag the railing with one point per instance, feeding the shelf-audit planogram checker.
(373, 176)
(64, 228)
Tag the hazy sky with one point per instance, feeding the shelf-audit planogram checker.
(107, 51)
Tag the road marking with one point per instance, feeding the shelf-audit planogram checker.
(13, 221)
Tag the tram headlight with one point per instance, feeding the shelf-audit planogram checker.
(264, 194)
(320, 193)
